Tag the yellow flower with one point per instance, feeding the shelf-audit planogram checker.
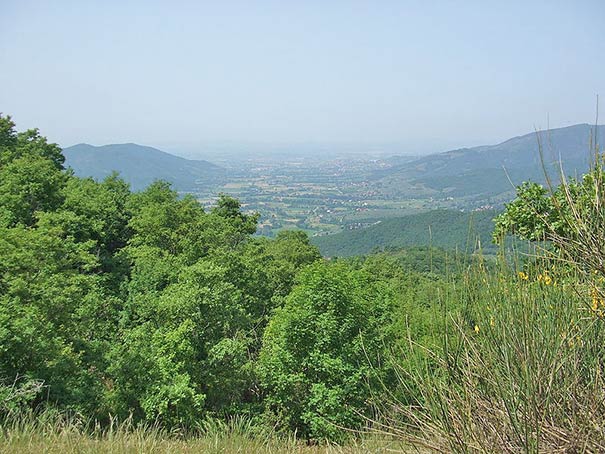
(547, 279)
(596, 301)
(595, 304)
(477, 328)
(491, 321)
(523, 275)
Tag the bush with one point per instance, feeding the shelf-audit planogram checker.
(324, 350)
(18, 397)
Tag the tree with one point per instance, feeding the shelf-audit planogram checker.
(570, 218)
(229, 208)
(8, 137)
(197, 301)
(325, 349)
(31, 177)
(47, 328)
(29, 185)
(561, 216)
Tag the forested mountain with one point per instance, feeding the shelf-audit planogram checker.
(482, 171)
(442, 228)
(140, 166)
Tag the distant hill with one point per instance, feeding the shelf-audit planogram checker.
(480, 171)
(447, 229)
(140, 165)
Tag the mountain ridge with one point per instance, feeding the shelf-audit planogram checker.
(140, 165)
(518, 156)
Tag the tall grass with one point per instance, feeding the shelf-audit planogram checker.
(50, 432)
(522, 369)
(522, 373)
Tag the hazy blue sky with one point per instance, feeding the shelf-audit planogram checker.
(427, 74)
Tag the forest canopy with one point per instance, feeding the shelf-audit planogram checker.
(146, 305)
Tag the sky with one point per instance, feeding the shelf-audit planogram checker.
(426, 76)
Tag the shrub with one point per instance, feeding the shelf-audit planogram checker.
(324, 350)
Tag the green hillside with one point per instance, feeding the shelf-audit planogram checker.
(485, 170)
(441, 228)
(140, 166)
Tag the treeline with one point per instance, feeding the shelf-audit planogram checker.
(448, 229)
(146, 306)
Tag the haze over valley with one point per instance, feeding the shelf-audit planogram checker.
(329, 191)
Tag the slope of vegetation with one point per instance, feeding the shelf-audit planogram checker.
(483, 170)
(447, 229)
(142, 322)
(140, 166)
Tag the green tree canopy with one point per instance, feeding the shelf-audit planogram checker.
(325, 349)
